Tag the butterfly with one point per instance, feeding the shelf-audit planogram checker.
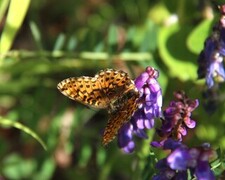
(109, 89)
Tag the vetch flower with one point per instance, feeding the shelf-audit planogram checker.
(211, 58)
(177, 119)
(150, 108)
(183, 159)
(166, 173)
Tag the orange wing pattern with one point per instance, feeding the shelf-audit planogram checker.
(109, 89)
(86, 90)
(123, 108)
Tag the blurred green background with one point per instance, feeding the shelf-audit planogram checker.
(46, 41)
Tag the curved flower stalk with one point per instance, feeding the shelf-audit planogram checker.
(149, 108)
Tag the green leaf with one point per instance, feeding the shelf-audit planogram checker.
(8, 123)
(195, 41)
(15, 167)
(59, 43)
(101, 157)
(150, 37)
(85, 155)
(47, 169)
(14, 20)
(3, 7)
(112, 35)
(174, 53)
(36, 34)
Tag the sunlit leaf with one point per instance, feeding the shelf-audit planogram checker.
(47, 169)
(15, 167)
(197, 37)
(15, 17)
(172, 47)
(3, 7)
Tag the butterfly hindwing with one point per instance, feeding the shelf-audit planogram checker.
(121, 113)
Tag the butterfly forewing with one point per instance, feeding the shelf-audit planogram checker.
(113, 82)
(85, 90)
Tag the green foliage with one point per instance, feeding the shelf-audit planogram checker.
(43, 42)
(179, 60)
(9, 123)
(15, 167)
(15, 17)
(197, 37)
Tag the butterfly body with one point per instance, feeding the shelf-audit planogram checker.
(109, 89)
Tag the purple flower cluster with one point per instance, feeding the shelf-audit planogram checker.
(212, 56)
(181, 159)
(183, 162)
(177, 119)
(149, 108)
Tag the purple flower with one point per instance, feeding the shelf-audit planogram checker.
(211, 58)
(149, 108)
(166, 173)
(125, 140)
(177, 119)
(181, 159)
